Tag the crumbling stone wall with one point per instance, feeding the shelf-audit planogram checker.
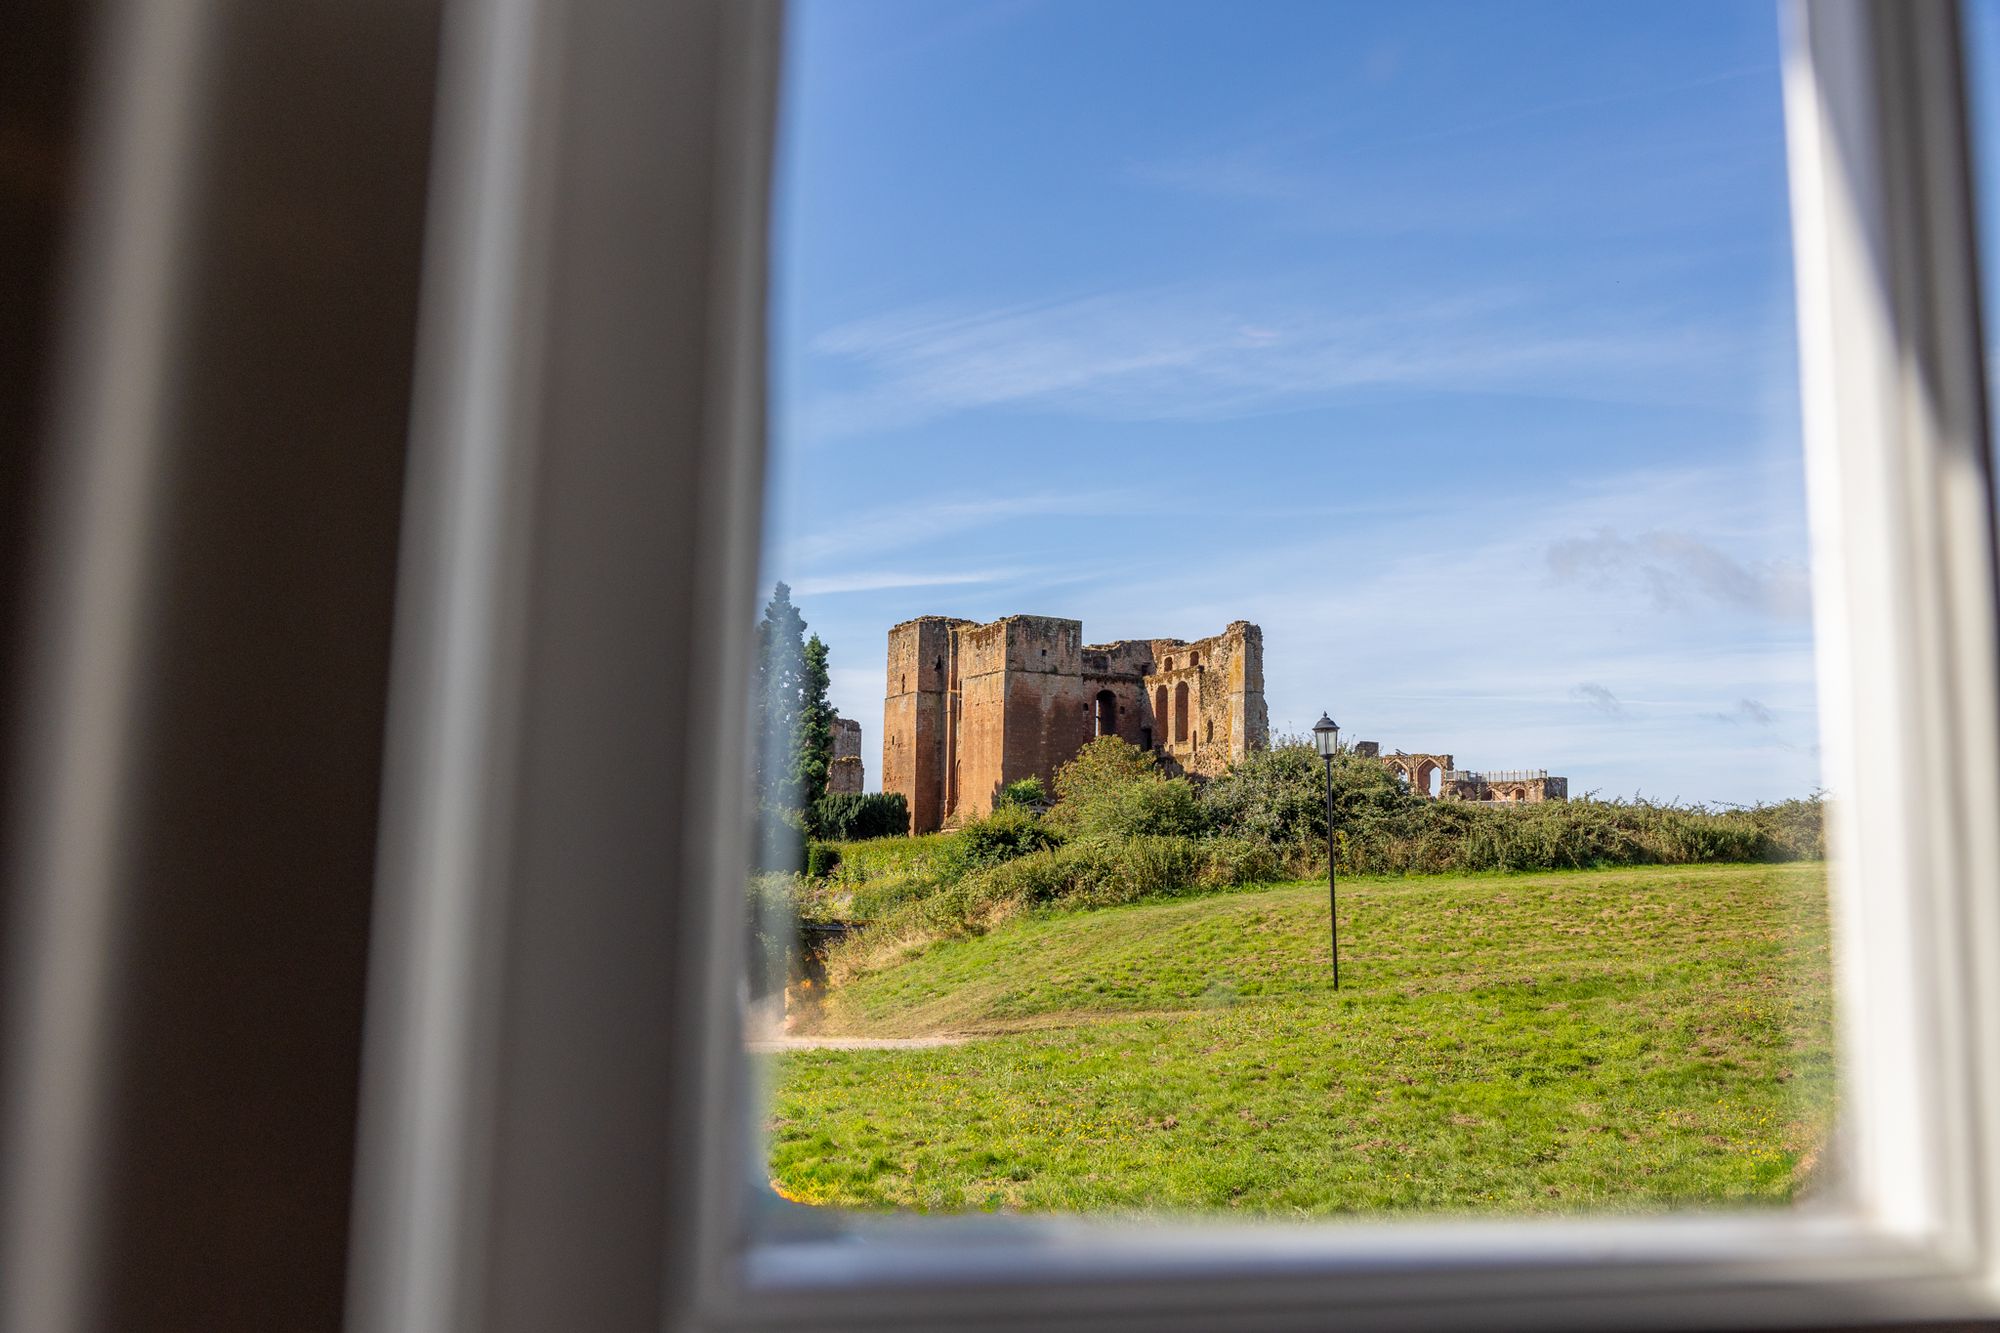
(846, 774)
(1507, 787)
(969, 708)
(1208, 698)
(1418, 770)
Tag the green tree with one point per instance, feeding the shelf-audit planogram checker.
(781, 663)
(792, 719)
(812, 734)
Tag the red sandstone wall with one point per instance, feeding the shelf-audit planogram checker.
(914, 720)
(970, 708)
(1122, 669)
(1225, 716)
(982, 718)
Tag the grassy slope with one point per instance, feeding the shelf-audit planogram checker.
(1607, 1039)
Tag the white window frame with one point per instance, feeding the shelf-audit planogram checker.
(556, 1131)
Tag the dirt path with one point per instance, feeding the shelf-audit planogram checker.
(795, 1043)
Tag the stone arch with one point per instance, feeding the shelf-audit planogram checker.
(1181, 731)
(1423, 776)
(1169, 665)
(1160, 711)
(1105, 715)
(1194, 657)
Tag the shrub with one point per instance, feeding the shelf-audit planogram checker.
(855, 816)
(821, 859)
(1104, 765)
(1096, 873)
(1113, 790)
(771, 909)
(1227, 862)
(1278, 796)
(780, 839)
(1008, 832)
(1026, 794)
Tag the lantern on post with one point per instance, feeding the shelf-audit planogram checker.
(1326, 740)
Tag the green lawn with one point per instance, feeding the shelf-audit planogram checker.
(1622, 1039)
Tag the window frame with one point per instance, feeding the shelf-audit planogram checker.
(519, 993)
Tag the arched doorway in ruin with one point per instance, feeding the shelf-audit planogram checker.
(1106, 714)
(1424, 779)
(1181, 731)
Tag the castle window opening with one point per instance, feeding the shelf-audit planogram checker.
(1181, 712)
(1194, 659)
(1145, 738)
(1107, 713)
(1208, 731)
(1170, 664)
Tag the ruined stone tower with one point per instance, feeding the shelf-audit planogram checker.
(969, 708)
(846, 774)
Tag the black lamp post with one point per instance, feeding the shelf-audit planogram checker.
(1326, 739)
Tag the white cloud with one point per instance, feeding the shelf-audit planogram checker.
(1746, 710)
(1598, 698)
(876, 580)
(1464, 641)
(926, 518)
(1676, 570)
(1188, 353)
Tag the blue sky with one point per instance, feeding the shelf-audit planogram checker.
(1451, 343)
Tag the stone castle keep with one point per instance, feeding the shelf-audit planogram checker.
(970, 708)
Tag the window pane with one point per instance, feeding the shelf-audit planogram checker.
(1154, 381)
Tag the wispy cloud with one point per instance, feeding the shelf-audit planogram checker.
(1599, 699)
(1678, 571)
(1321, 166)
(920, 519)
(1457, 643)
(877, 580)
(1746, 711)
(1169, 354)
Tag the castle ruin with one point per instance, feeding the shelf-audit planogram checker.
(845, 773)
(1507, 786)
(969, 708)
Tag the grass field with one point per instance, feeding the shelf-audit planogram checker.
(1626, 1039)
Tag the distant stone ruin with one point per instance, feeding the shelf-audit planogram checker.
(969, 708)
(1514, 786)
(846, 774)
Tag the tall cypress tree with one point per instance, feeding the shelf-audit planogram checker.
(774, 703)
(793, 721)
(812, 734)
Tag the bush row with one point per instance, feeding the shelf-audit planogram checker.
(1095, 873)
(1120, 830)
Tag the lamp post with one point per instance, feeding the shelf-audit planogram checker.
(1326, 739)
